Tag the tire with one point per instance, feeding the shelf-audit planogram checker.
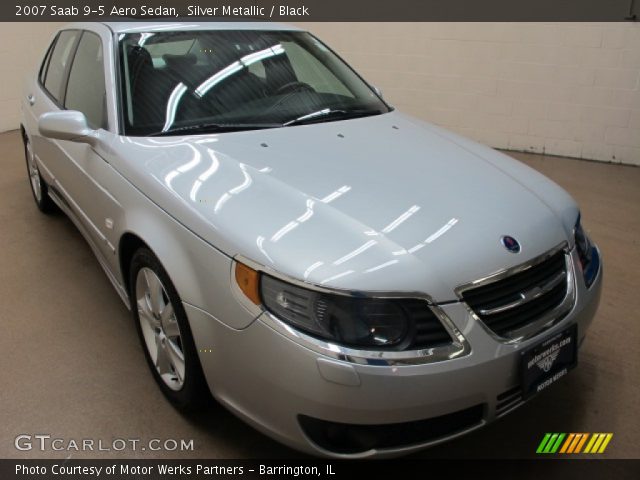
(165, 335)
(39, 188)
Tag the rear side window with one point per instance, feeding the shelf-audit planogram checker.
(86, 86)
(58, 63)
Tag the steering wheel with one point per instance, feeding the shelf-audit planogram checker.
(293, 86)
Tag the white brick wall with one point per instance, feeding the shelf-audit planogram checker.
(565, 88)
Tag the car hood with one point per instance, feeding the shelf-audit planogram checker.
(383, 203)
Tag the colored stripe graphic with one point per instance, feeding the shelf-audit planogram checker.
(606, 441)
(591, 442)
(555, 447)
(543, 443)
(573, 443)
(576, 439)
(550, 443)
(567, 442)
(599, 443)
(581, 443)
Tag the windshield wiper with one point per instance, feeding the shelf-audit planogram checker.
(328, 114)
(214, 128)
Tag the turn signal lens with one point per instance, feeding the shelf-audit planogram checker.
(248, 281)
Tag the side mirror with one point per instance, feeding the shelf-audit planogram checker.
(66, 125)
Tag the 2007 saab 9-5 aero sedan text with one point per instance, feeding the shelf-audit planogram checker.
(350, 280)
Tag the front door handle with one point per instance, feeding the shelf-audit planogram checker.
(31, 99)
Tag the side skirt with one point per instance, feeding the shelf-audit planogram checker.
(68, 210)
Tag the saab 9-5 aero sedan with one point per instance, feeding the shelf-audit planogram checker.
(350, 280)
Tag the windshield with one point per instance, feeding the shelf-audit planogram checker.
(223, 80)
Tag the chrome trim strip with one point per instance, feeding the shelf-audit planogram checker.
(507, 272)
(510, 407)
(547, 320)
(457, 348)
(527, 296)
(335, 291)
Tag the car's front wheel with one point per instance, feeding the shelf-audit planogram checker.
(39, 188)
(165, 334)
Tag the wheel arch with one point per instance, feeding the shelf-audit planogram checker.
(127, 246)
(200, 273)
(166, 244)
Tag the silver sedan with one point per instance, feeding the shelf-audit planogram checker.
(350, 280)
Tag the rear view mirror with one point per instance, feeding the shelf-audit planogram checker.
(66, 125)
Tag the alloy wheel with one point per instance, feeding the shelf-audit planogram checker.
(160, 328)
(34, 174)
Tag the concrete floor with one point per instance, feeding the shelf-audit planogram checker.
(72, 366)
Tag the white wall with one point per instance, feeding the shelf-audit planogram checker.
(22, 45)
(564, 89)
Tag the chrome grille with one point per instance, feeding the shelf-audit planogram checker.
(525, 300)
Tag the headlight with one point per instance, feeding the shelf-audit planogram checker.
(396, 324)
(362, 322)
(588, 254)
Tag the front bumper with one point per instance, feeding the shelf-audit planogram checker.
(270, 380)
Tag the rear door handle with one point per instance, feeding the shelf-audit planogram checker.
(31, 99)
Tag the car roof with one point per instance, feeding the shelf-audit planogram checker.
(150, 26)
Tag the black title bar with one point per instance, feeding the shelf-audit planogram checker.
(322, 10)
